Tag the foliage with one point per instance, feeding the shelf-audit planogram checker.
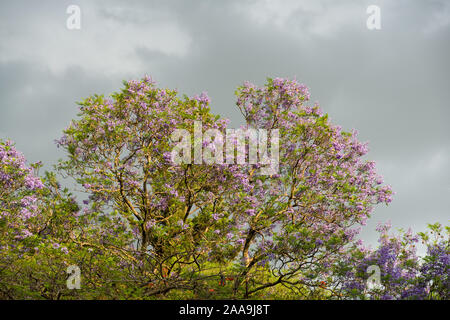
(154, 229)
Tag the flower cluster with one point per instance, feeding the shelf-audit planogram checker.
(403, 274)
(18, 188)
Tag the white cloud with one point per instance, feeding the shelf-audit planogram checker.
(439, 19)
(415, 173)
(300, 18)
(106, 43)
(438, 161)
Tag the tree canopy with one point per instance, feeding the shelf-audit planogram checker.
(154, 228)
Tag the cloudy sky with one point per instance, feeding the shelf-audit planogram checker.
(391, 84)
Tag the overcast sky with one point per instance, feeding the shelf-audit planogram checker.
(392, 84)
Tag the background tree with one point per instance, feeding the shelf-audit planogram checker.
(403, 273)
(35, 221)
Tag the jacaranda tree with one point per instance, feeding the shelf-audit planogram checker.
(36, 218)
(191, 220)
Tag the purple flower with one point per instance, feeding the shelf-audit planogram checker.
(251, 212)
